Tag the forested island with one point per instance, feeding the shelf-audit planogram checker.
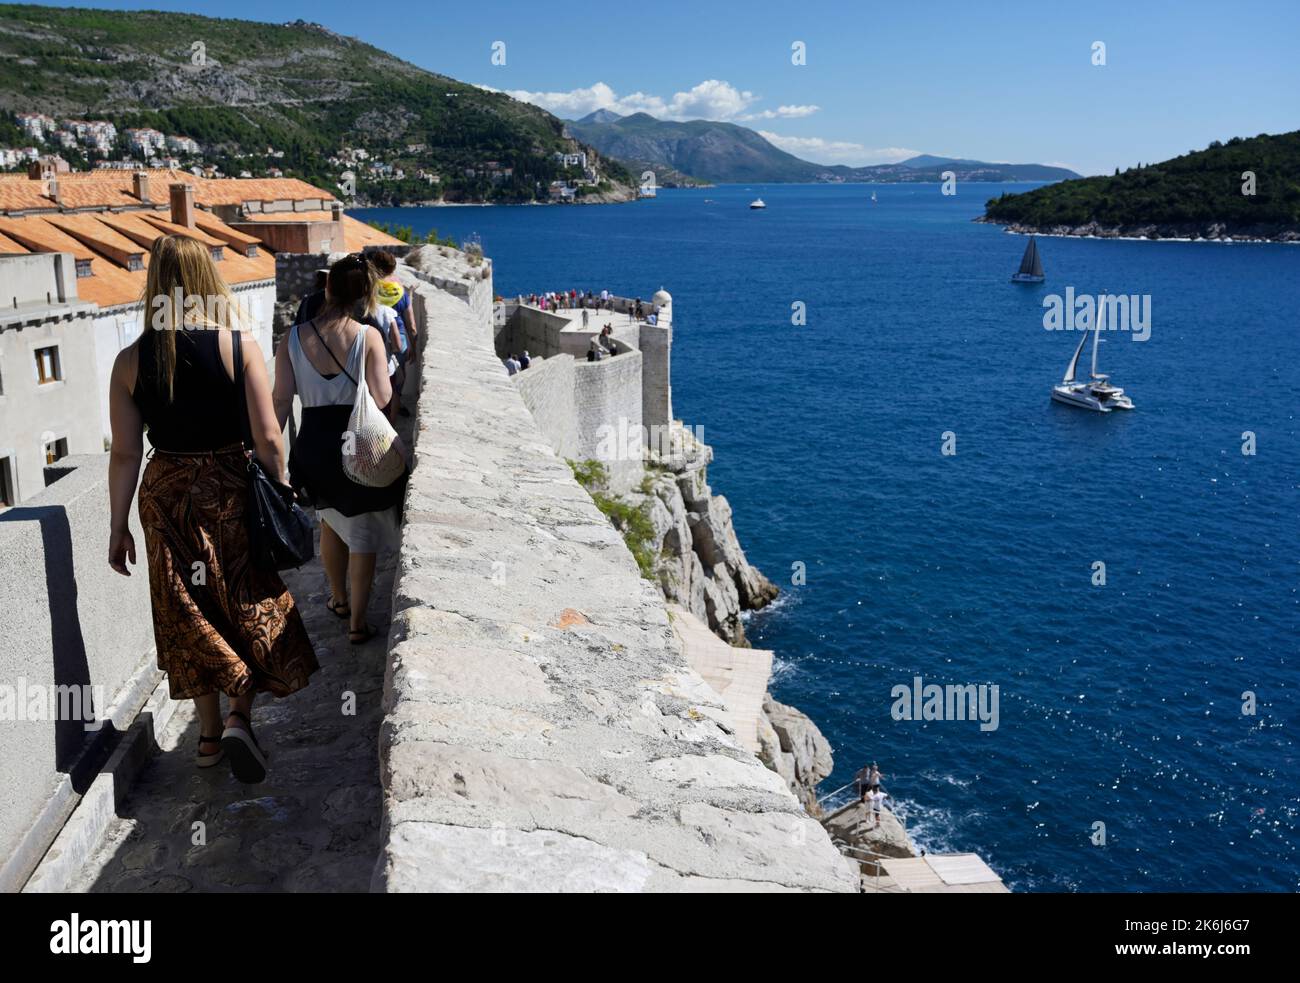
(1246, 188)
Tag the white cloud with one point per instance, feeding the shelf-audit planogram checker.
(710, 99)
(783, 112)
(821, 151)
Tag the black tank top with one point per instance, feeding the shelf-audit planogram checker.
(205, 412)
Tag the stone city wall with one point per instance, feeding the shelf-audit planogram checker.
(608, 409)
(68, 620)
(543, 730)
(547, 388)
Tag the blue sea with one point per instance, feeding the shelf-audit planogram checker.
(1119, 704)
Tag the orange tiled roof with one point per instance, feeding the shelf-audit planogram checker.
(19, 193)
(112, 286)
(222, 231)
(100, 219)
(171, 228)
(236, 191)
(116, 189)
(86, 229)
(8, 245)
(41, 237)
(357, 235)
(314, 215)
(107, 239)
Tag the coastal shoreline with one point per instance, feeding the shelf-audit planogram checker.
(1142, 233)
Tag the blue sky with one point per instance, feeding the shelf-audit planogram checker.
(1003, 81)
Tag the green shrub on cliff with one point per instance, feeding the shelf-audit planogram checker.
(633, 521)
(590, 474)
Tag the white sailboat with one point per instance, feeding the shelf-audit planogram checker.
(1097, 394)
(1031, 266)
(873, 197)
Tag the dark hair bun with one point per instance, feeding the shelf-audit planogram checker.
(350, 280)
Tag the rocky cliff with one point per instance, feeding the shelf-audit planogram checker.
(701, 566)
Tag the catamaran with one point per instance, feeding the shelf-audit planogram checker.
(758, 203)
(1031, 266)
(1097, 394)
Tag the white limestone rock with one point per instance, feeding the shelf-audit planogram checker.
(798, 737)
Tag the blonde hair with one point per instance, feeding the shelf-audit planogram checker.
(183, 289)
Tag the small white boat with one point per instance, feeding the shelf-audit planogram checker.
(758, 203)
(1031, 266)
(873, 197)
(1097, 394)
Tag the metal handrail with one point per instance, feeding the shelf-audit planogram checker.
(871, 859)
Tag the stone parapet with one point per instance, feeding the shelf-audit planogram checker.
(543, 731)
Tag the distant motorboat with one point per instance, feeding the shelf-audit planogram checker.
(1097, 394)
(1031, 265)
(758, 203)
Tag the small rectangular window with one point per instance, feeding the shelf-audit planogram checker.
(56, 449)
(48, 368)
(8, 497)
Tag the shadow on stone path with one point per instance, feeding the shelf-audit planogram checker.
(313, 825)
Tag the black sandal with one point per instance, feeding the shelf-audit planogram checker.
(247, 759)
(362, 635)
(208, 760)
(340, 609)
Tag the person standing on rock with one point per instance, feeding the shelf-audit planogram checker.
(874, 777)
(875, 800)
(862, 780)
(221, 625)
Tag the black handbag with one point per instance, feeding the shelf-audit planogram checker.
(279, 531)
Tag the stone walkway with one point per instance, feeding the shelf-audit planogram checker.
(313, 825)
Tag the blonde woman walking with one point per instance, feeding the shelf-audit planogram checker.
(220, 624)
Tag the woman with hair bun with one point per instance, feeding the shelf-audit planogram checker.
(321, 361)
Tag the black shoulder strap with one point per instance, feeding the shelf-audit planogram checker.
(241, 394)
(312, 322)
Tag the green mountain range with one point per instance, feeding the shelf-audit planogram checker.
(241, 87)
(1202, 194)
(727, 153)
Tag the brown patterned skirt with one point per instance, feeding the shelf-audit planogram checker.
(220, 624)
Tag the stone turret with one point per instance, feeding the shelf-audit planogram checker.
(656, 342)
